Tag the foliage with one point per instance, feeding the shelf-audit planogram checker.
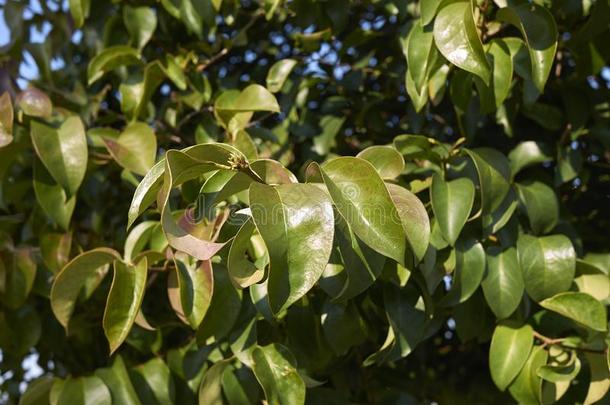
(331, 202)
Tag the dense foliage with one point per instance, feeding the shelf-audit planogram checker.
(336, 201)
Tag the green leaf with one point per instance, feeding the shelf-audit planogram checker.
(275, 371)
(470, 265)
(244, 272)
(109, 59)
(501, 62)
(494, 176)
(428, 9)
(343, 326)
(34, 103)
(296, 222)
(135, 149)
(79, 10)
(279, 72)
(63, 151)
(386, 160)
(539, 31)
(210, 390)
(527, 387)
(137, 239)
(548, 264)
(362, 198)
(73, 277)
(55, 249)
(146, 192)
(180, 167)
(153, 382)
(137, 90)
(195, 283)
(528, 153)
(224, 308)
(414, 219)
(84, 391)
(421, 55)
(253, 98)
(579, 307)
(600, 377)
(38, 391)
(18, 278)
(559, 369)
(52, 197)
(510, 347)
(503, 285)
(541, 205)
(456, 37)
(124, 300)
(326, 140)
(6, 119)
(117, 380)
(451, 202)
(141, 23)
(592, 280)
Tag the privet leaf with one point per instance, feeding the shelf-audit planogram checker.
(579, 307)
(388, 162)
(510, 347)
(548, 264)
(456, 37)
(296, 223)
(503, 285)
(71, 279)
(451, 202)
(124, 300)
(135, 149)
(275, 371)
(63, 151)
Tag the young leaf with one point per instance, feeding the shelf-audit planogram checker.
(63, 151)
(71, 279)
(296, 223)
(580, 307)
(548, 264)
(124, 300)
(503, 285)
(451, 202)
(510, 347)
(456, 37)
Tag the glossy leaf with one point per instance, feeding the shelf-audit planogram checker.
(541, 205)
(244, 272)
(135, 148)
(361, 196)
(421, 55)
(456, 37)
(63, 151)
(34, 103)
(109, 59)
(71, 279)
(275, 371)
(470, 265)
(195, 284)
(278, 73)
(548, 264)
(527, 387)
(510, 347)
(494, 175)
(451, 202)
(84, 391)
(528, 153)
(388, 162)
(503, 284)
(141, 23)
(124, 300)
(580, 307)
(540, 34)
(288, 216)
